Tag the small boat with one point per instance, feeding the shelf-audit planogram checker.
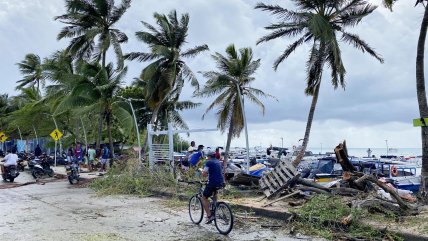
(407, 183)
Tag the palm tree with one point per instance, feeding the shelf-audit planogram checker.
(319, 23)
(229, 84)
(168, 71)
(31, 68)
(420, 89)
(97, 93)
(90, 24)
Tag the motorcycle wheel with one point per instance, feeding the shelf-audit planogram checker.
(11, 179)
(50, 173)
(70, 180)
(37, 174)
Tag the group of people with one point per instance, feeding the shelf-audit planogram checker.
(194, 155)
(212, 169)
(77, 153)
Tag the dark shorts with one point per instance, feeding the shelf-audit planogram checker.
(210, 190)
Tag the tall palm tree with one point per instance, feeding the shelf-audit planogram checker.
(97, 93)
(420, 88)
(168, 71)
(31, 68)
(319, 23)
(235, 71)
(90, 25)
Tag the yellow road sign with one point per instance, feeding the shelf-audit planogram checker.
(56, 134)
(420, 122)
(3, 137)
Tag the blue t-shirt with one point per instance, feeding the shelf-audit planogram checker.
(215, 175)
(194, 158)
(106, 153)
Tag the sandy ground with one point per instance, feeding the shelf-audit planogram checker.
(59, 211)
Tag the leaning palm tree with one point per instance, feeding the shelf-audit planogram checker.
(230, 84)
(31, 68)
(420, 88)
(90, 25)
(319, 23)
(168, 71)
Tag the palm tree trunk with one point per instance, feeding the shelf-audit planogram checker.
(152, 121)
(422, 100)
(100, 130)
(110, 138)
(226, 153)
(308, 125)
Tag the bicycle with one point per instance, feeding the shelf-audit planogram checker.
(223, 216)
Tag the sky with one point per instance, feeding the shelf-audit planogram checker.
(378, 104)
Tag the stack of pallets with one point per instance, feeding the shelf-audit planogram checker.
(274, 182)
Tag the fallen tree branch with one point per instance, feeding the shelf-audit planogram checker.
(281, 198)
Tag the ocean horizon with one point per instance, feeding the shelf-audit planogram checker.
(362, 152)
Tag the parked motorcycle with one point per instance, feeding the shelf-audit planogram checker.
(73, 172)
(11, 172)
(39, 170)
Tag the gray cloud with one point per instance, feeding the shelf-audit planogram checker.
(378, 99)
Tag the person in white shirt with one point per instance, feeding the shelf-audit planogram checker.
(10, 159)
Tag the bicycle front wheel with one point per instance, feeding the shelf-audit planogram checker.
(196, 210)
(223, 218)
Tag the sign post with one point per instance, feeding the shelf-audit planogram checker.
(56, 135)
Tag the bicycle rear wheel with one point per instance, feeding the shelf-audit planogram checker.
(196, 210)
(223, 218)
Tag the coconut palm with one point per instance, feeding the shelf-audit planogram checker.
(230, 85)
(32, 70)
(90, 25)
(420, 88)
(97, 93)
(168, 71)
(319, 23)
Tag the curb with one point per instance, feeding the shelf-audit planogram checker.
(275, 214)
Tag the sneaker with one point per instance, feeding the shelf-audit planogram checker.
(210, 219)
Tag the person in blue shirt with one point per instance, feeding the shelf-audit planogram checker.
(105, 161)
(196, 156)
(213, 170)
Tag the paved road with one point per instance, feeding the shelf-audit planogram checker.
(59, 211)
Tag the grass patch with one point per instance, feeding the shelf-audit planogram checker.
(130, 177)
(323, 216)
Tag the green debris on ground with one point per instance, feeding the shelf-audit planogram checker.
(130, 177)
(332, 218)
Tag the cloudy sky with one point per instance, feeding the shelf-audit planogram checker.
(378, 104)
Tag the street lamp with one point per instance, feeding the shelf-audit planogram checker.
(136, 126)
(282, 142)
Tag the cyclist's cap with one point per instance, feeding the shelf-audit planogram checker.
(211, 154)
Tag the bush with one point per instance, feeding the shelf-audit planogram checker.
(130, 177)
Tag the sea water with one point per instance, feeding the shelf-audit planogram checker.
(362, 152)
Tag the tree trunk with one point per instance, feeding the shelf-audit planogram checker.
(226, 153)
(422, 100)
(152, 121)
(308, 126)
(100, 130)
(110, 138)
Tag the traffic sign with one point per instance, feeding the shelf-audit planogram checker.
(56, 134)
(3, 137)
(420, 122)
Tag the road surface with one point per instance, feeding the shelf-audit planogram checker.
(59, 211)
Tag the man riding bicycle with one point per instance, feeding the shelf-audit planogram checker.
(212, 169)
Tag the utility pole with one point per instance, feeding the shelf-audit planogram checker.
(282, 142)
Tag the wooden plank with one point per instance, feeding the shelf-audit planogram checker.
(272, 180)
(278, 179)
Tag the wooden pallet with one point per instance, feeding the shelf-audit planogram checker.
(274, 182)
